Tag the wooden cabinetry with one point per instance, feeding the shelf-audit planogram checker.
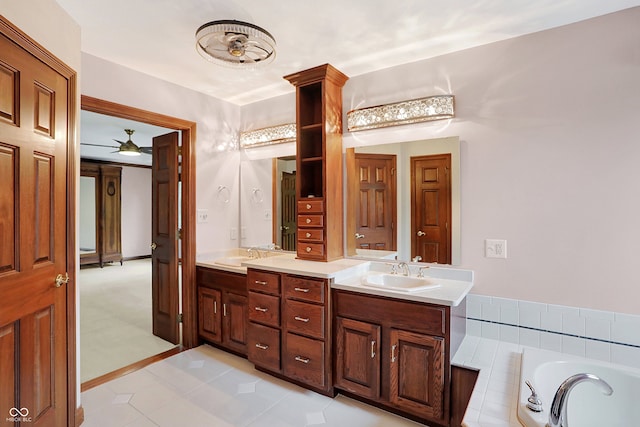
(264, 319)
(105, 244)
(222, 308)
(289, 328)
(396, 353)
(319, 162)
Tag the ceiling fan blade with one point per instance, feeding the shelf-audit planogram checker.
(120, 142)
(146, 150)
(97, 145)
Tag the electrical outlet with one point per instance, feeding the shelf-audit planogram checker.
(495, 248)
(203, 216)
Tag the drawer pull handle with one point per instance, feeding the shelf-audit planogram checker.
(308, 235)
(264, 310)
(308, 249)
(262, 346)
(224, 310)
(301, 290)
(393, 353)
(308, 220)
(308, 206)
(303, 359)
(215, 307)
(373, 349)
(261, 282)
(302, 319)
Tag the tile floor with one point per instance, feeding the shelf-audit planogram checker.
(208, 387)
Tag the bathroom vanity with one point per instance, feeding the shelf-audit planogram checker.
(319, 325)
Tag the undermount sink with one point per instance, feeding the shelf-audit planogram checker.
(232, 261)
(398, 282)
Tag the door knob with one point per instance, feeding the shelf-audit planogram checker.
(421, 233)
(60, 280)
(359, 236)
(153, 246)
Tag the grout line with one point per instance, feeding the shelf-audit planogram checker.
(556, 332)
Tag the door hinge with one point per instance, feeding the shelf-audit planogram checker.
(179, 317)
(179, 236)
(179, 150)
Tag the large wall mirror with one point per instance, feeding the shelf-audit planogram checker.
(263, 200)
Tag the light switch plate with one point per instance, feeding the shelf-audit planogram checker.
(203, 216)
(495, 248)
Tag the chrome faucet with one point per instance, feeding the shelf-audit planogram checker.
(254, 252)
(558, 412)
(405, 268)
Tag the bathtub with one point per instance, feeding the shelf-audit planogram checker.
(587, 405)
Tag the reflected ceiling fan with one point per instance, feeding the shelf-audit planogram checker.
(126, 148)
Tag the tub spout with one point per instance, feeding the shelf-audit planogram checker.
(558, 413)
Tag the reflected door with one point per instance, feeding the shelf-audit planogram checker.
(375, 207)
(431, 208)
(288, 191)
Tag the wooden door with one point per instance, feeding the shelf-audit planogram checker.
(417, 373)
(165, 236)
(358, 357)
(236, 318)
(431, 208)
(376, 204)
(33, 240)
(288, 192)
(210, 314)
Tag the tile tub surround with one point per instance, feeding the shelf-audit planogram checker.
(601, 335)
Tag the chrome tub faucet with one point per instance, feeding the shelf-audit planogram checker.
(558, 412)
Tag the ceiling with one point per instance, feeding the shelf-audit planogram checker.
(157, 37)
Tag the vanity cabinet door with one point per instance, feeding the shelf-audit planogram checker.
(210, 314)
(417, 373)
(358, 357)
(234, 332)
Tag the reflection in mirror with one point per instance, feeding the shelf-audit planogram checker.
(418, 198)
(267, 198)
(87, 214)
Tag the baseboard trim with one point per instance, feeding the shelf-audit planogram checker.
(133, 258)
(87, 385)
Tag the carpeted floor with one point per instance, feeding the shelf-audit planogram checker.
(115, 317)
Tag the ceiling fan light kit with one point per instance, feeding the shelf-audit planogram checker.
(235, 44)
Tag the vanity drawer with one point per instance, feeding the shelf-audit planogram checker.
(264, 309)
(310, 220)
(310, 206)
(304, 318)
(303, 359)
(304, 289)
(310, 250)
(264, 346)
(262, 281)
(311, 234)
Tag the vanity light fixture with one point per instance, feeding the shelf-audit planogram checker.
(431, 108)
(268, 136)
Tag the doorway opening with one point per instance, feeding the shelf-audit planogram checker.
(184, 162)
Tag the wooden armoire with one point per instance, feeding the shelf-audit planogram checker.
(108, 213)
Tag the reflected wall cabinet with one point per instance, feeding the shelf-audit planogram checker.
(319, 162)
(100, 213)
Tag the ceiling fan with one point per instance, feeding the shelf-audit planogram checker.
(126, 148)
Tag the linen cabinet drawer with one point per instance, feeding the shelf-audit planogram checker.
(310, 220)
(264, 346)
(311, 234)
(304, 289)
(303, 318)
(310, 206)
(304, 360)
(264, 309)
(310, 250)
(262, 281)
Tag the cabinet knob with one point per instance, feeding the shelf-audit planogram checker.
(308, 206)
(308, 235)
(308, 220)
(308, 249)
